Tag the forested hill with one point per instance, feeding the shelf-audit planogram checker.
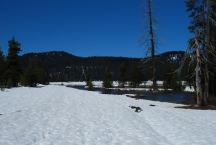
(63, 66)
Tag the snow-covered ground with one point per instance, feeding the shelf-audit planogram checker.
(57, 115)
(189, 89)
(98, 84)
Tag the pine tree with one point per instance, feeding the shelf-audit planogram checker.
(29, 78)
(167, 82)
(2, 68)
(13, 67)
(198, 41)
(34, 74)
(123, 75)
(89, 83)
(107, 82)
(136, 77)
(41, 75)
(173, 82)
(212, 56)
(200, 46)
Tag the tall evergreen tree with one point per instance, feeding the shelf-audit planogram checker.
(41, 75)
(29, 78)
(107, 82)
(200, 46)
(173, 82)
(34, 74)
(13, 67)
(89, 83)
(2, 68)
(212, 56)
(197, 44)
(122, 75)
(136, 77)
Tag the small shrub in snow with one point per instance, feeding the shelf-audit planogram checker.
(107, 82)
(89, 83)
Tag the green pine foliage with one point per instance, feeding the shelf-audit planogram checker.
(122, 75)
(212, 57)
(173, 82)
(89, 83)
(29, 78)
(203, 28)
(41, 76)
(56, 64)
(136, 77)
(13, 70)
(107, 82)
(34, 74)
(2, 69)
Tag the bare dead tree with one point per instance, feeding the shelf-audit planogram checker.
(201, 46)
(152, 48)
(151, 41)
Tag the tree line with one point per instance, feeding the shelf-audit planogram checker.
(202, 47)
(134, 79)
(201, 50)
(13, 75)
(200, 55)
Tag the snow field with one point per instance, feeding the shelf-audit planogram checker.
(57, 115)
(98, 84)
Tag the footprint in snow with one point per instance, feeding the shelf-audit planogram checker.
(137, 109)
(152, 105)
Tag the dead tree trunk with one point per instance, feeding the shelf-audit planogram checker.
(206, 92)
(206, 45)
(152, 45)
(198, 70)
(201, 11)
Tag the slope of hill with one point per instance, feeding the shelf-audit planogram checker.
(63, 66)
(57, 115)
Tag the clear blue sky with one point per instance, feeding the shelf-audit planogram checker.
(91, 27)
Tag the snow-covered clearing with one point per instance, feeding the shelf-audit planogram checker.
(99, 84)
(57, 115)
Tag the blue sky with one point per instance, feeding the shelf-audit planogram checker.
(91, 27)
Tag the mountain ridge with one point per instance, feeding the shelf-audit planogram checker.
(63, 66)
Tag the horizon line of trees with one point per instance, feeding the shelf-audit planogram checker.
(201, 52)
(135, 78)
(201, 47)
